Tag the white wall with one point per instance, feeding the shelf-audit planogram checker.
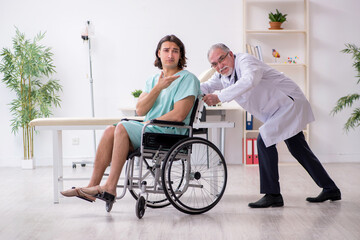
(126, 34)
(332, 24)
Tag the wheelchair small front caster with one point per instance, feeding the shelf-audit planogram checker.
(109, 206)
(140, 207)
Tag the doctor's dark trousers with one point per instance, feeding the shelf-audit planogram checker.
(298, 147)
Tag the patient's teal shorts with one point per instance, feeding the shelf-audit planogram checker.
(134, 129)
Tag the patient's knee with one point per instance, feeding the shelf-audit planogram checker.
(120, 130)
(109, 131)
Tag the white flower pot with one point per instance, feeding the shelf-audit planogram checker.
(28, 163)
(135, 101)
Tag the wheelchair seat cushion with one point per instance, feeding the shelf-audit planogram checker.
(166, 141)
(134, 130)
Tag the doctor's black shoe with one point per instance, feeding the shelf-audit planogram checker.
(332, 194)
(268, 200)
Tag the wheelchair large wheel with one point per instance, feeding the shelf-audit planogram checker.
(155, 200)
(199, 185)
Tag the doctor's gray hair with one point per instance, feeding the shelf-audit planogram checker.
(216, 46)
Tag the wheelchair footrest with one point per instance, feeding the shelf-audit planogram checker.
(105, 196)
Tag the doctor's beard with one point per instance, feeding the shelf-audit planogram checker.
(229, 72)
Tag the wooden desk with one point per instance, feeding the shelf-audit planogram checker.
(57, 125)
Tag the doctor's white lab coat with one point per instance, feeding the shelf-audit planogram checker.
(267, 94)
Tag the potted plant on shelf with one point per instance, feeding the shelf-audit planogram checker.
(276, 19)
(26, 71)
(136, 94)
(349, 100)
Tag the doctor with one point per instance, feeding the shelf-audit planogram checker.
(279, 103)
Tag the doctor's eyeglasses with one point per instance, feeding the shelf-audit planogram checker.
(221, 59)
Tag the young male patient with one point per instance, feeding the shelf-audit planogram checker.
(168, 96)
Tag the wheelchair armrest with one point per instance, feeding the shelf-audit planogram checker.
(167, 122)
(126, 119)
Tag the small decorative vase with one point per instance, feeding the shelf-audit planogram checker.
(275, 25)
(28, 163)
(135, 101)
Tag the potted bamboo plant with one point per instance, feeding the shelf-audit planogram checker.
(276, 19)
(27, 69)
(348, 101)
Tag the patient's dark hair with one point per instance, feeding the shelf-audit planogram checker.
(178, 42)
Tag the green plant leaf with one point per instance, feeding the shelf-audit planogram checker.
(136, 93)
(353, 121)
(346, 101)
(277, 17)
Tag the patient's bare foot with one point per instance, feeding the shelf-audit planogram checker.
(92, 191)
(76, 192)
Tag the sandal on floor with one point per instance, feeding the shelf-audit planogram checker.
(76, 192)
(97, 192)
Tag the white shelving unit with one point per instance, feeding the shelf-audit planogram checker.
(291, 41)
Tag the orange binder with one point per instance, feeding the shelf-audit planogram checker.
(249, 151)
(255, 152)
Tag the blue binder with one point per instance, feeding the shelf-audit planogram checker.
(249, 121)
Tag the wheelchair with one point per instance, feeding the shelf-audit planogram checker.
(187, 172)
